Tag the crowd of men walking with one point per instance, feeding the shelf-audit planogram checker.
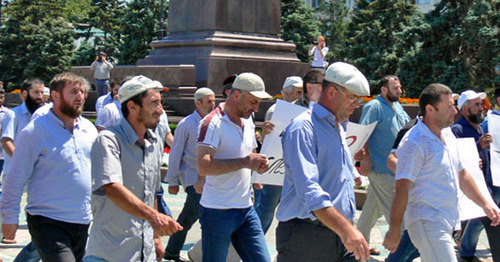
(94, 192)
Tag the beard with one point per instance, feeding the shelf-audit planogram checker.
(392, 98)
(149, 122)
(32, 104)
(68, 110)
(476, 118)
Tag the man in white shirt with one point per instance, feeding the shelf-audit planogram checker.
(101, 68)
(428, 175)
(226, 156)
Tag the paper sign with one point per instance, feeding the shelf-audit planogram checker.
(283, 114)
(357, 135)
(494, 130)
(470, 161)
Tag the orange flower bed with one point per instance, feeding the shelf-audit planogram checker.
(16, 91)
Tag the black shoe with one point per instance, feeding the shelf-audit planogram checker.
(175, 259)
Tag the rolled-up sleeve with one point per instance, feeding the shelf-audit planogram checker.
(8, 125)
(106, 164)
(23, 159)
(300, 161)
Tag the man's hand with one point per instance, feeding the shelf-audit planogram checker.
(267, 128)
(173, 190)
(258, 186)
(485, 140)
(492, 214)
(360, 155)
(358, 181)
(257, 162)
(9, 233)
(392, 238)
(160, 251)
(164, 225)
(366, 166)
(355, 242)
(198, 186)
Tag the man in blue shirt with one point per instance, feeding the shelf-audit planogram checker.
(391, 117)
(317, 203)
(472, 114)
(52, 158)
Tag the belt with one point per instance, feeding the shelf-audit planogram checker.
(309, 221)
(102, 79)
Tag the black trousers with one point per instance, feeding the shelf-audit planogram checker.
(57, 240)
(304, 240)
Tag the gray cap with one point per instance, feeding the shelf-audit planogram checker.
(253, 84)
(137, 85)
(202, 92)
(348, 76)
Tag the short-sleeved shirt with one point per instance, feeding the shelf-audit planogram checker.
(318, 167)
(390, 120)
(109, 115)
(101, 69)
(3, 112)
(118, 157)
(55, 165)
(233, 189)
(13, 123)
(319, 61)
(43, 110)
(182, 158)
(433, 167)
(102, 101)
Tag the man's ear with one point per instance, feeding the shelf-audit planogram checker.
(55, 96)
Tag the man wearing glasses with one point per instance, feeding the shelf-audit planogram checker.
(318, 202)
(391, 117)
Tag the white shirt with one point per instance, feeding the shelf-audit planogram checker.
(109, 115)
(101, 69)
(230, 190)
(319, 61)
(433, 168)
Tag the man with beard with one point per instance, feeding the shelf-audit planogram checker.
(20, 116)
(182, 169)
(428, 175)
(391, 117)
(52, 158)
(471, 109)
(226, 157)
(125, 176)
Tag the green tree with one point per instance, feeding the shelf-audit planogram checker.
(85, 54)
(459, 49)
(381, 32)
(34, 41)
(298, 26)
(334, 17)
(105, 15)
(139, 27)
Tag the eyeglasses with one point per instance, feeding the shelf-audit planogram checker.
(352, 98)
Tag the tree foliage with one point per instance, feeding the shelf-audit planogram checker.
(298, 26)
(460, 48)
(139, 27)
(381, 33)
(105, 15)
(35, 41)
(333, 17)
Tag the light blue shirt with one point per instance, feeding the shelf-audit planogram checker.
(55, 165)
(4, 111)
(318, 167)
(102, 101)
(182, 159)
(390, 120)
(13, 123)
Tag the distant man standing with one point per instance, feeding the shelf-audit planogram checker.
(52, 157)
(182, 169)
(226, 156)
(125, 176)
(428, 174)
(317, 204)
(391, 117)
(101, 68)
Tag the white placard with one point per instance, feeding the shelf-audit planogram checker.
(470, 161)
(494, 130)
(283, 114)
(357, 135)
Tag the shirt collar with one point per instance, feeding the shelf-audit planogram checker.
(130, 135)
(24, 109)
(425, 131)
(384, 101)
(59, 122)
(464, 122)
(322, 112)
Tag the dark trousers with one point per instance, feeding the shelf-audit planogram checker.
(302, 240)
(188, 216)
(57, 240)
